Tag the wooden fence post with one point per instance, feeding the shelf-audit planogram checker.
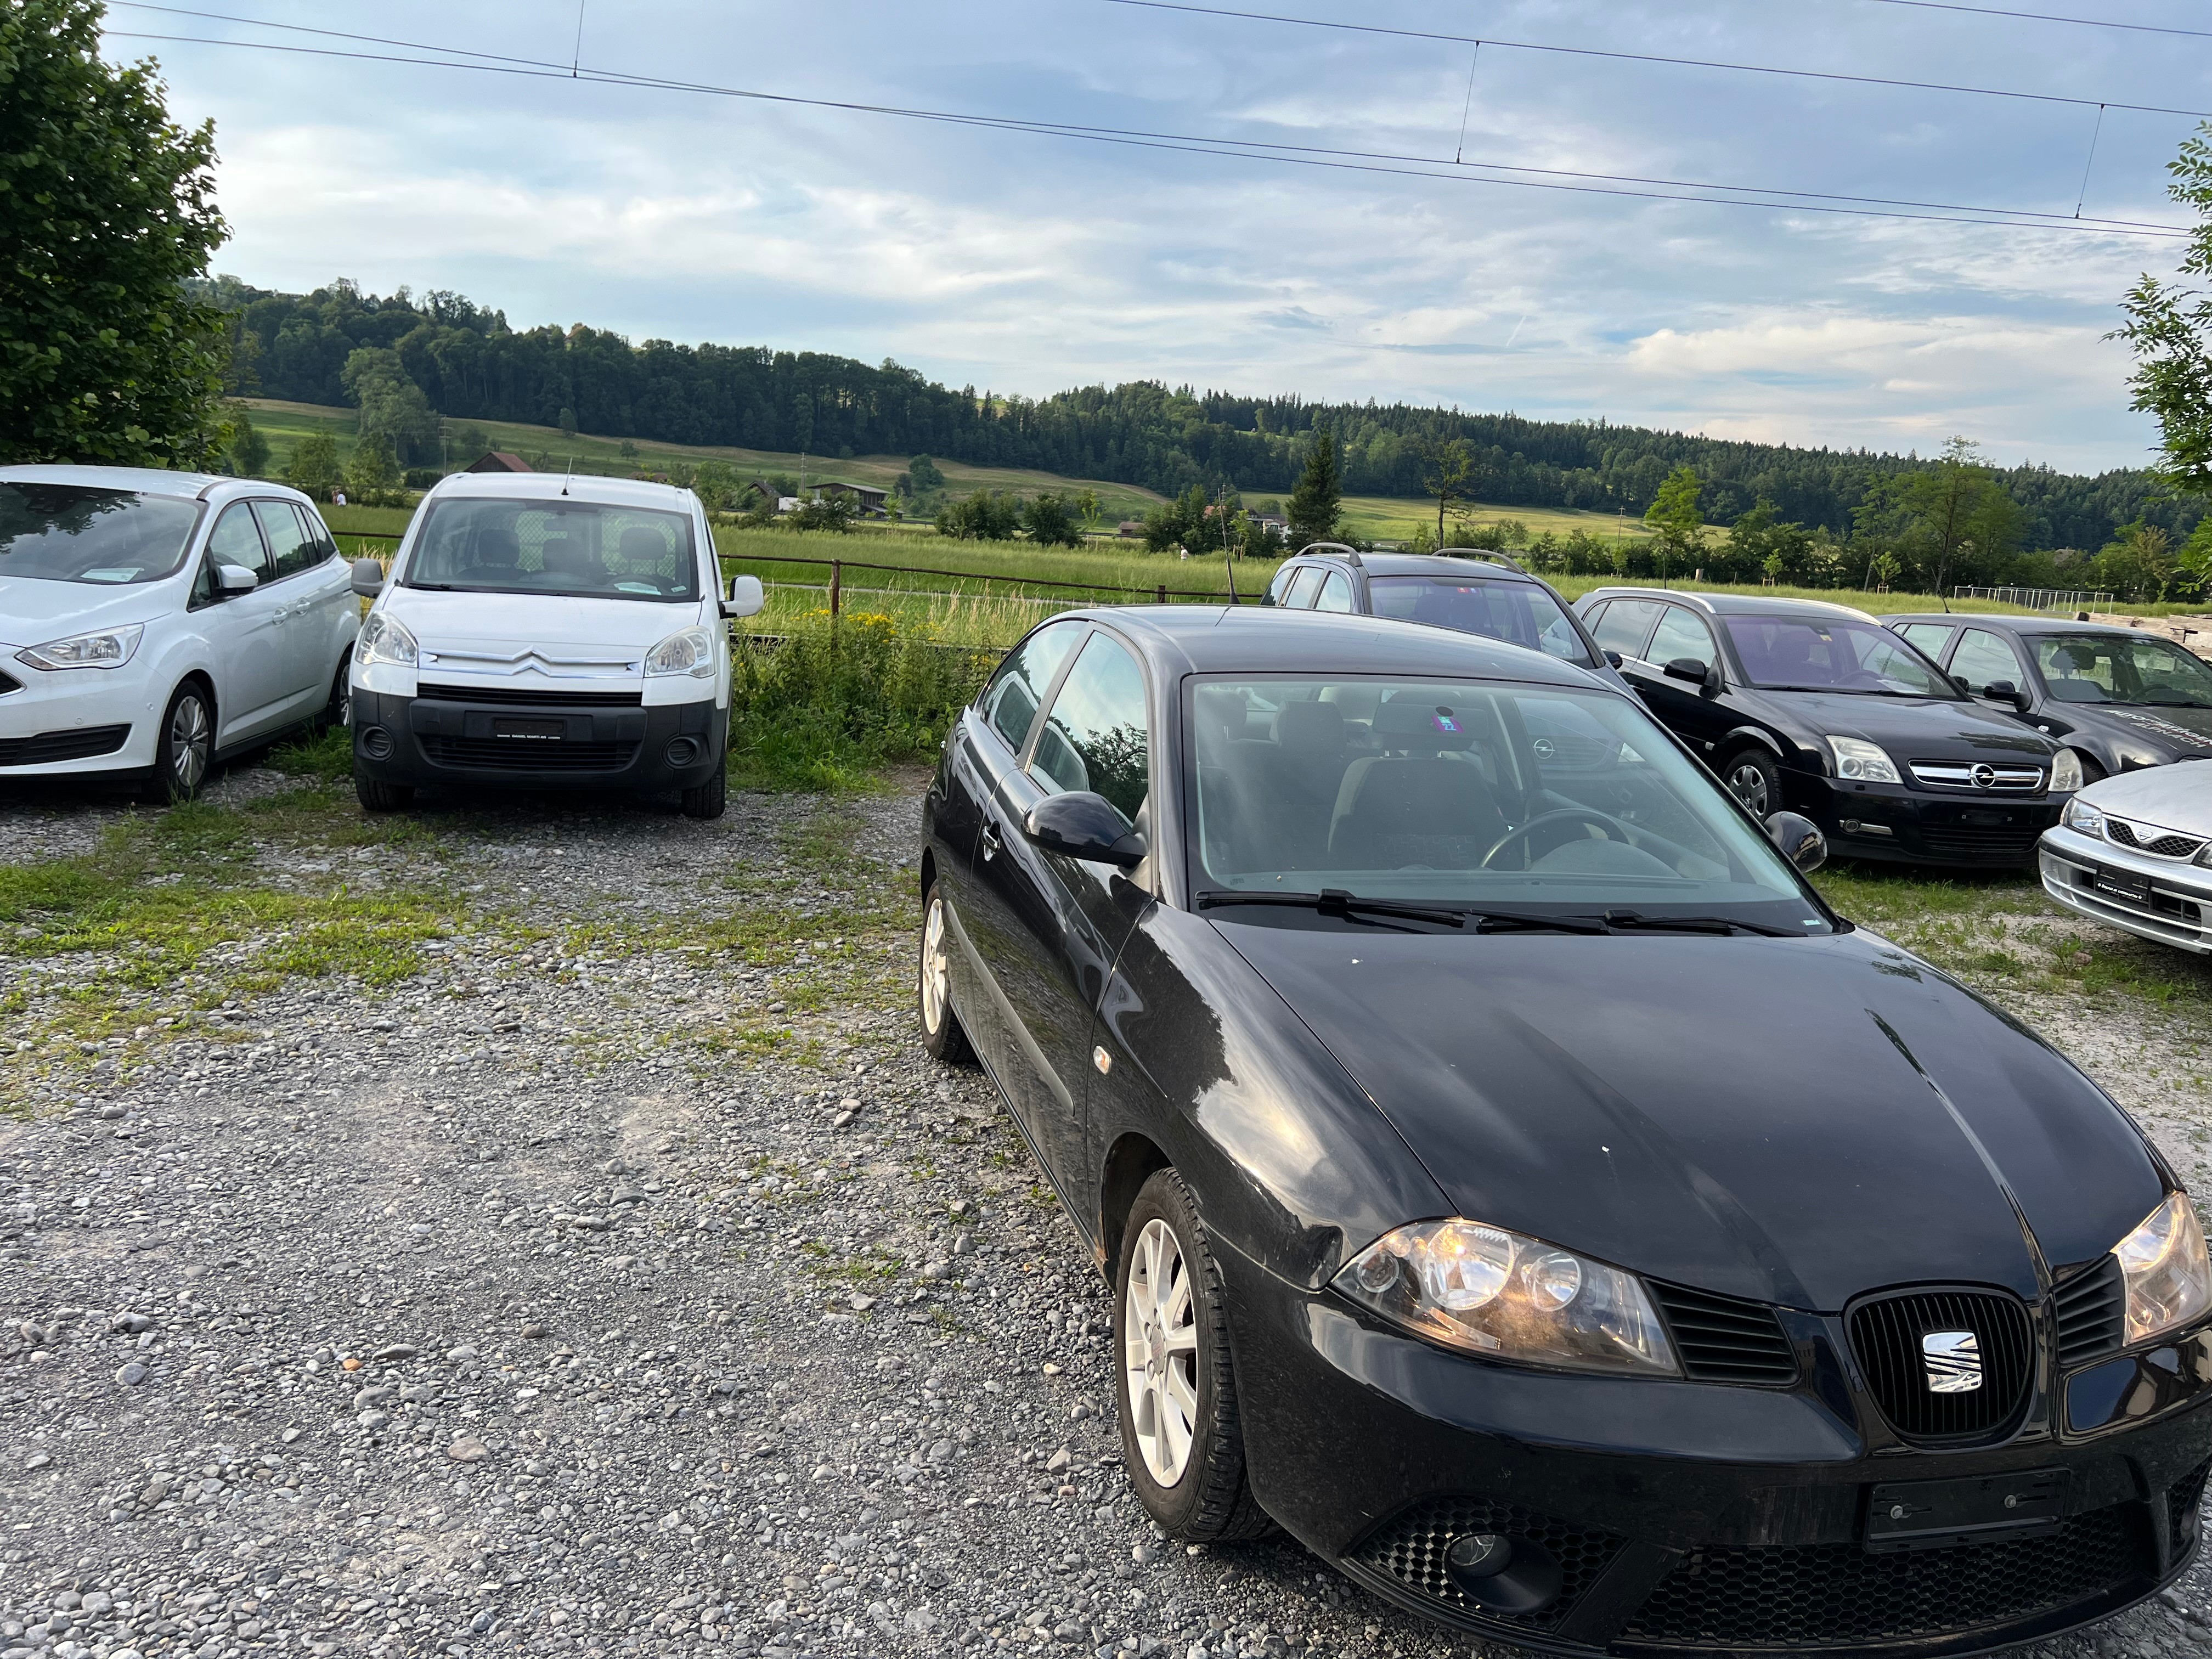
(1162, 598)
(836, 584)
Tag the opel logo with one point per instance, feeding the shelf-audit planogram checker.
(1544, 748)
(1984, 775)
(1953, 1359)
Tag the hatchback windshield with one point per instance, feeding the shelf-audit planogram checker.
(2105, 668)
(1520, 613)
(580, 548)
(1469, 794)
(1801, 654)
(110, 537)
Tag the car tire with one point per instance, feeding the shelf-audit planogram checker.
(1753, 777)
(336, 714)
(1173, 1381)
(183, 750)
(708, 800)
(941, 1031)
(377, 796)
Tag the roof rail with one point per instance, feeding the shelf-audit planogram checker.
(1481, 553)
(1334, 549)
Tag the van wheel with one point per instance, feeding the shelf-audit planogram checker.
(377, 796)
(708, 799)
(184, 752)
(1754, 778)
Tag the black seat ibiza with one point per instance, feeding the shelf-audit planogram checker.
(1359, 988)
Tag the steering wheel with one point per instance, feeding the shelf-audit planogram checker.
(1863, 676)
(1614, 829)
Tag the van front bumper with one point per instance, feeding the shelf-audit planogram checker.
(428, 741)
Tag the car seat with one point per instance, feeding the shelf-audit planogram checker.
(1415, 804)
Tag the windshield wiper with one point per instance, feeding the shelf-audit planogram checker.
(1635, 921)
(1335, 901)
(1529, 921)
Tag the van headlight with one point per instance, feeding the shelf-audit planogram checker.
(1485, 1290)
(2168, 1277)
(111, 648)
(1862, 762)
(692, 651)
(383, 640)
(2066, 771)
(2084, 819)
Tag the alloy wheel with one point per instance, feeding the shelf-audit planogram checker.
(1159, 1352)
(188, 743)
(1748, 784)
(936, 969)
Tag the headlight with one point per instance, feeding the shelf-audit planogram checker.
(109, 648)
(691, 651)
(383, 640)
(2085, 819)
(2066, 771)
(1862, 762)
(1490, 1292)
(2169, 1279)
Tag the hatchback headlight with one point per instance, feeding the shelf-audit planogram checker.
(2168, 1277)
(111, 648)
(2066, 771)
(689, 652)
(2085, 819)
(383, 640)
(1862, 762)
(1502, 1294)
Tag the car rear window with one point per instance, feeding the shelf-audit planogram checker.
(105, 538)
(1520, 613)
(580, 548)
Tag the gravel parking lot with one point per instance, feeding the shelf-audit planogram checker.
(537, 1227)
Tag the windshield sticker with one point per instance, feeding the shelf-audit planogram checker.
(1443, 720)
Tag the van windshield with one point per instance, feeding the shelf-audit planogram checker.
(584, 550)
(106, 538)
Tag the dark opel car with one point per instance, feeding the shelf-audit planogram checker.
(1355, 985)
(2119, 699)
(1820, 709)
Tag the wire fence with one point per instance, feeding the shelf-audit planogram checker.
(2038, 599)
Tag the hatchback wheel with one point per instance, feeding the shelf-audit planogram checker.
(184, 752)
(1181, 1439)
(940, 1027)
(1753, 779)
(337, 712)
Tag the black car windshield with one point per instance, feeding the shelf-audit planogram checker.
(1520, 613)
(107, 538)
(1819, 654)
(1469, 794)
(578, 549)
(2109, 668)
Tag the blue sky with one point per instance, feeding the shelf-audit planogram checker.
(1025, 263)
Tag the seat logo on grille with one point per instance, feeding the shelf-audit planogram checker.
(1954, 1360)
(1984, 775)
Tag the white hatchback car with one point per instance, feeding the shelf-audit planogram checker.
(152, 622)
(547, 632)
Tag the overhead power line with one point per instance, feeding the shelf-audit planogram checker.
(1417, 167)
(2047, 17)
(1654, 58)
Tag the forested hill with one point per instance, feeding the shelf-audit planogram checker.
(470, 364)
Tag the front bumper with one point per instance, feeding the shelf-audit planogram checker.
(1892, 823)
(2167, 899)
(432, 741)
(1685, 1516)
(77, 721)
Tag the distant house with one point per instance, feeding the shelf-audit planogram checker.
(870, 501)
(498, 460)
(1281, 527)
(1134, 528)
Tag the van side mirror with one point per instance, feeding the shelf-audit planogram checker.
(1082, 826)
(367, 578)
(1800, 840)
(1706, 676)
(746, 598)
(231, 579)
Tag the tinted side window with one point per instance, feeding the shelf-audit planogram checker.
(1928, 636)
(1281, 585)
(1096, 737)
(1626, 625)
(1335, 592)
(1681, 634)
(235, 541)
(1983, 656)
(1010, 702)
(1302, 590)
(293, 549)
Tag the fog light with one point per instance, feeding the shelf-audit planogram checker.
(682, 752)
(1503, 1575)
(1479, 1555)
(376, 743)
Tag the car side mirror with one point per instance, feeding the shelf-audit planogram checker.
(1082, 826)
(1961, 681)
(367, 578)
(2006, 691)
(231, 579)
(1800, 840)
(1613, 659)
(1706, 676)
(746, 598)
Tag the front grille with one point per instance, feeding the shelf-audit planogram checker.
(2092, 1310)
(1980, 840)
(9, 683)
(2150, 838)
(1959, 774)
(1886, 1335)
(2185, 1499)
(500, 754)
(531, 696)
(1831, 1596)
(48, 747)
(1721, 1338)
(1411, 1549)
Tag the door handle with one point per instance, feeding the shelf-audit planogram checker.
(992, 844)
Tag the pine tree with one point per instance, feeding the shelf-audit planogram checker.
(1317, 503)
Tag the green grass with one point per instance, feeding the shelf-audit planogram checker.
(1394, 519)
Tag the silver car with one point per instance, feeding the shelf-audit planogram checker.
(2135, 851)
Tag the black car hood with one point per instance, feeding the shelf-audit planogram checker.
(2173, 731)
(1909, 727)
(1794, 1121)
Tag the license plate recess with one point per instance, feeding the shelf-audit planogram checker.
(1927, 1515)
